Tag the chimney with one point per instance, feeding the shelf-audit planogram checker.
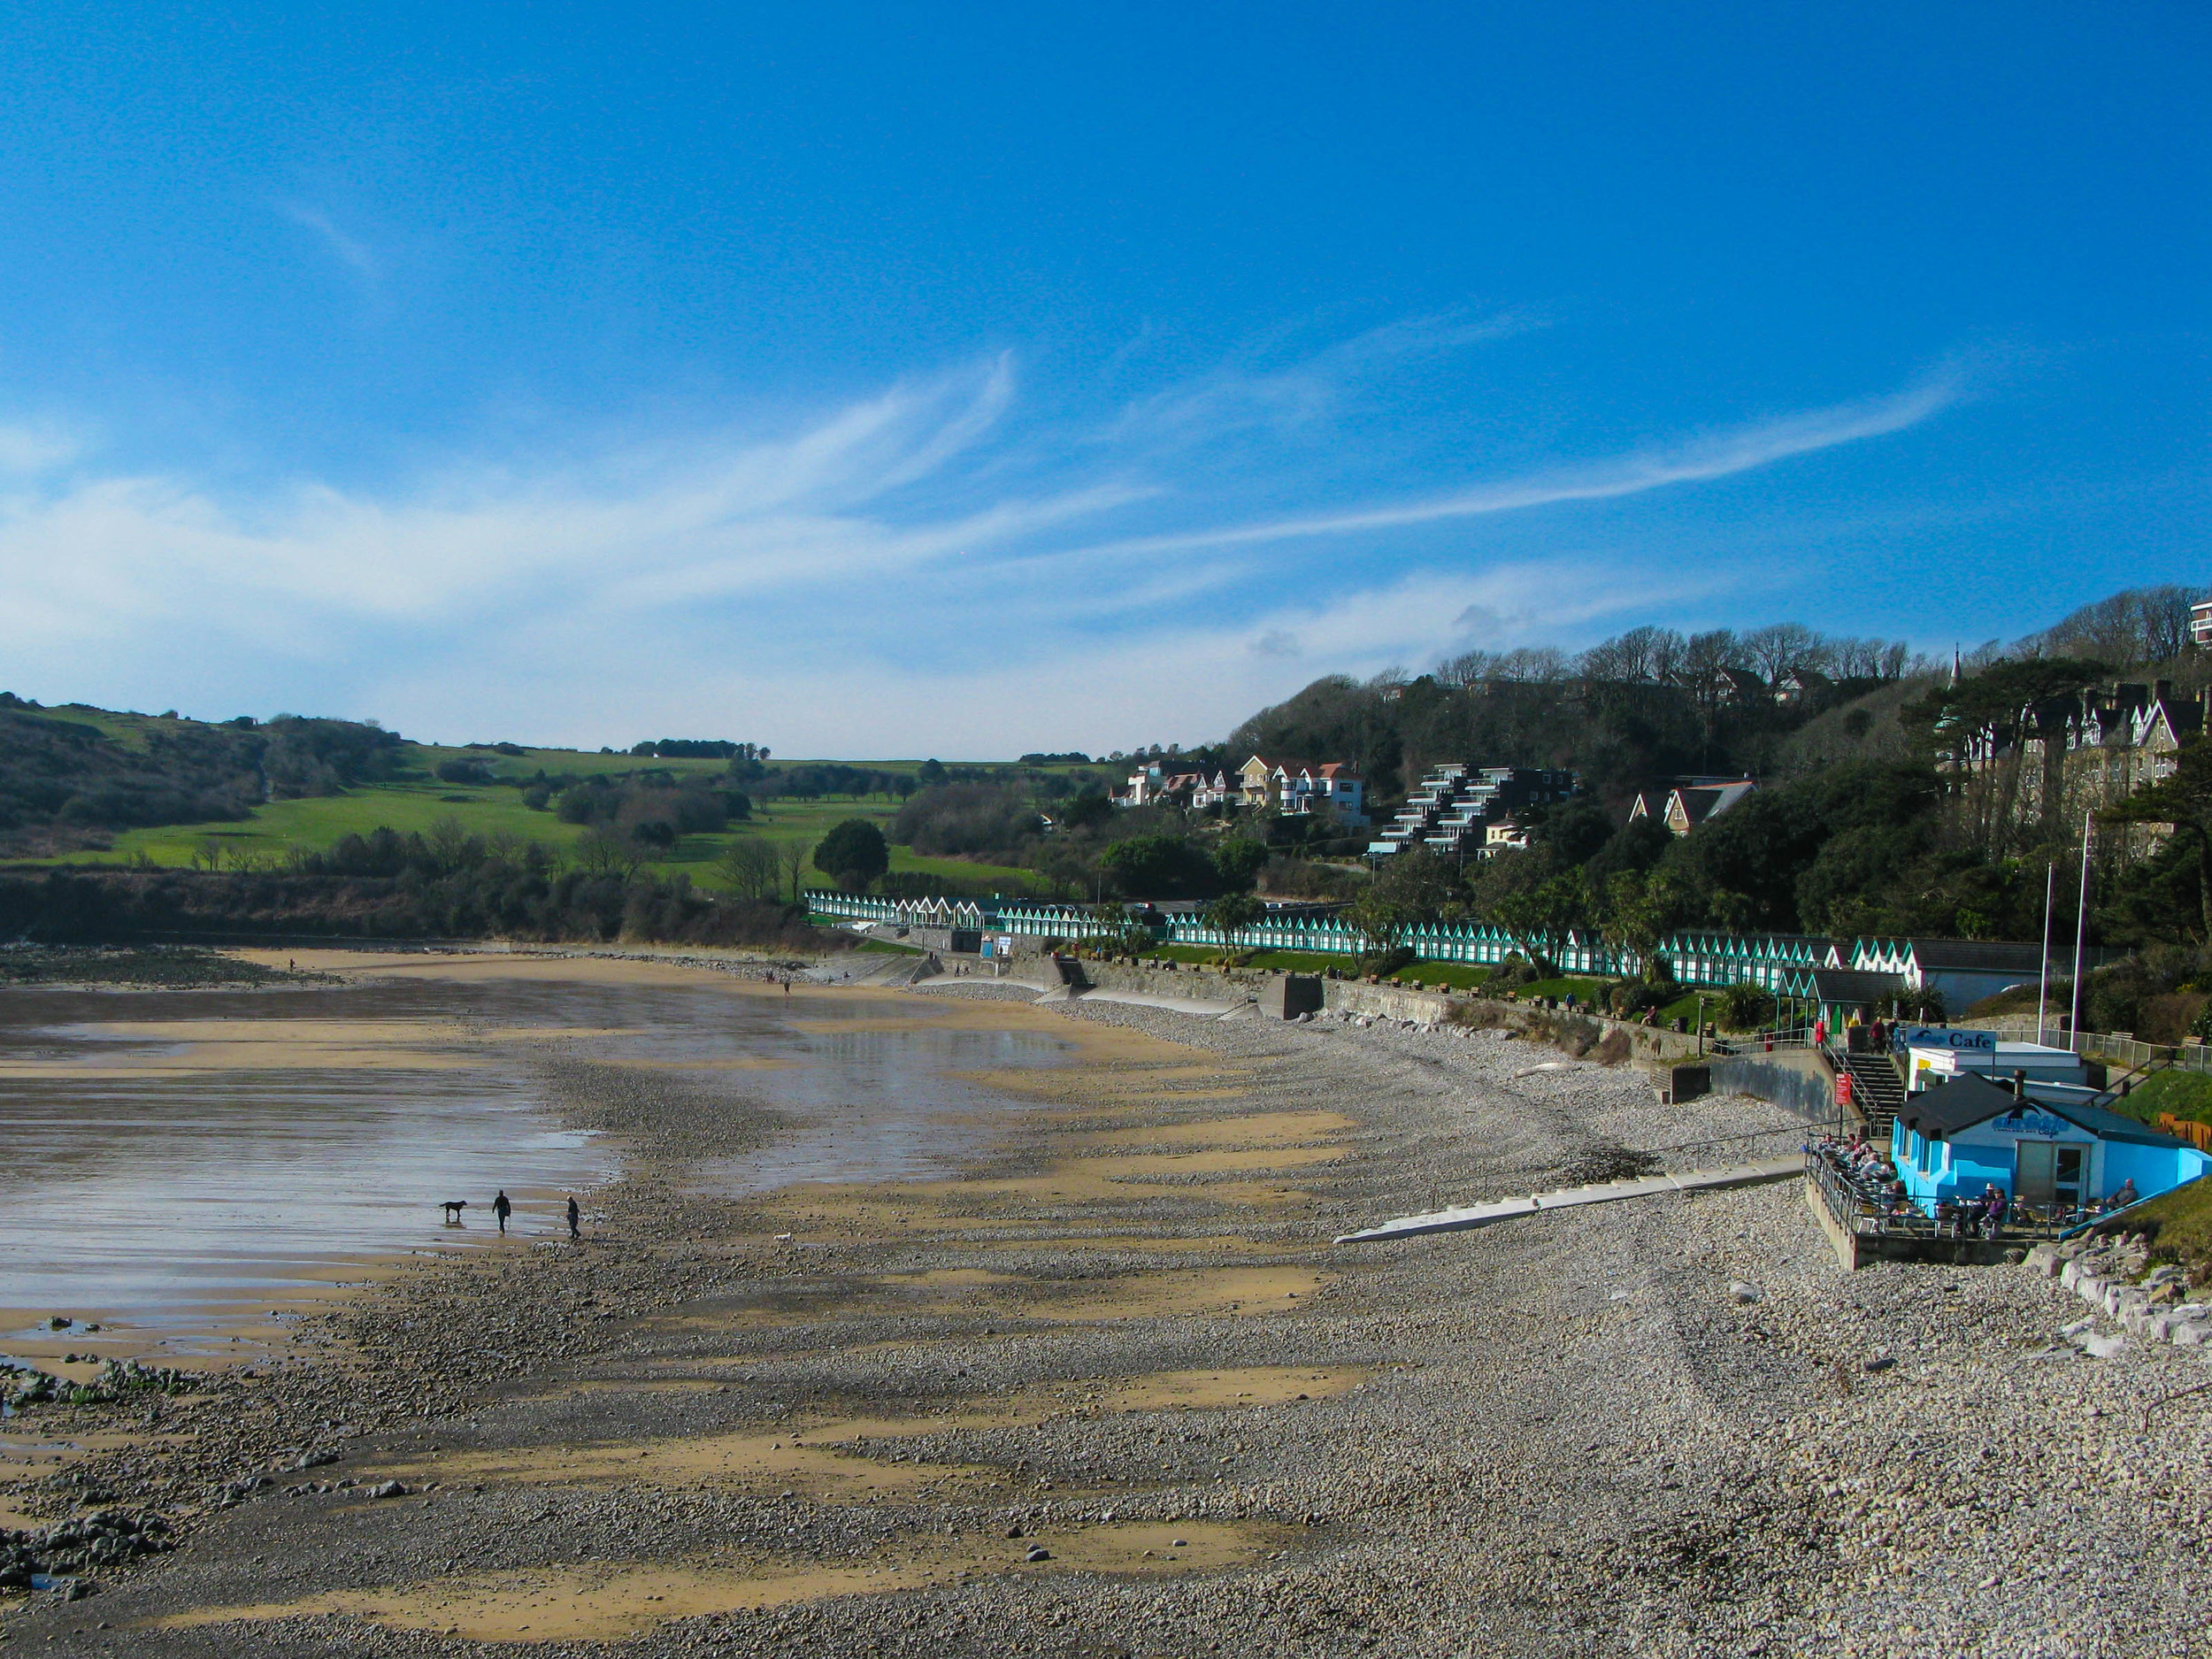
(2019, 1086)
(2163, 690)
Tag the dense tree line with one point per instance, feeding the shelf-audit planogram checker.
(818, 782)
(303, 757)
(700, 749)
(976, 820)
(447, 884)
(652, 811)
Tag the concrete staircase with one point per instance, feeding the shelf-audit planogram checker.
(1876, 1091)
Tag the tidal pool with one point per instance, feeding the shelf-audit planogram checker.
(167, 1160)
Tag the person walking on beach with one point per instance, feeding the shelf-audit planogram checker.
(503, 1210)
(574, 1217)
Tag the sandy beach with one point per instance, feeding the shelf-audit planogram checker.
(1107, 1387)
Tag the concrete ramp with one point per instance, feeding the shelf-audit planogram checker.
(1465, 1216)
(906, 971)
(1205, 1008)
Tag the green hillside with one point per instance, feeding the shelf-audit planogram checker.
(84, 775)
(316, 824)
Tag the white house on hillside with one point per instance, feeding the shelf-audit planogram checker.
(1156, 785)
(1297, 789)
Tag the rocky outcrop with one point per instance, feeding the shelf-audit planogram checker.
(2104, 1274)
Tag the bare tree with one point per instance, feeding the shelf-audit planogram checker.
(2134, 628)
(511, 846)
(753, 867)
(450, 843)
(2165, 622)
(1626, 658)
(1469, 668)
(1540, 664)
(1705, 654)
(1778, 647)
(795, 856)
(1854, 659)
(602, 852)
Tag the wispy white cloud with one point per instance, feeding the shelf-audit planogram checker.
(1239, 397)
(349, 251)
(35, 446)
(846, 583)
(1712, 457)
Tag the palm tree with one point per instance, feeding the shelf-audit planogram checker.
(1232, 913)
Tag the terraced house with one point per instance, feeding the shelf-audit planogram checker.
(1452, 810)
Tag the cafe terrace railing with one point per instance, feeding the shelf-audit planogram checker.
(1870, 1217)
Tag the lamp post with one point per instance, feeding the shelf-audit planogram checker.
(2081, 926)
(2043, 977)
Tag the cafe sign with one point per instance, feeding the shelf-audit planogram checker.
(1904, 1037)
(2034, 1123)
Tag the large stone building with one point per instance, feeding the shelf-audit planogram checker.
(2059, 757)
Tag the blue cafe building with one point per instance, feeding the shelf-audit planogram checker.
(1959, 1137)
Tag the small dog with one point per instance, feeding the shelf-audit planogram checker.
(454, 1207)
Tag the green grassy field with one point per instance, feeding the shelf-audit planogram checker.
(2186, 1095)
(318, 823)
(1286, 961)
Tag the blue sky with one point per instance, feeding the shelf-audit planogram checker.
(960, 380)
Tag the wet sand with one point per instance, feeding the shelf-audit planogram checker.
(1094, 1154)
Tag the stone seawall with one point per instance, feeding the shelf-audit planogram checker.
(1210, 985)
(1391, 1002)
(1354, 996)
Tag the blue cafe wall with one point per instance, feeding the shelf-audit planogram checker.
(1985, 1153)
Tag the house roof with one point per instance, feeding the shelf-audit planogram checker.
(1970, 1099)
(1986, 956)
(1699, 802)
(2182, 718)
(1848, 984)
(1340, 771)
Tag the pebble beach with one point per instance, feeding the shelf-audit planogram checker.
(1112, 1388)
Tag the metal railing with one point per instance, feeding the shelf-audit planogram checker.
(1877, 1214)
(1761, 1041)
(2122, 1048)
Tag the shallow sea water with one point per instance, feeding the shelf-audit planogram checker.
(148, 1196)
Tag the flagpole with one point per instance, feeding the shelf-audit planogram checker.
(2043, 980)
(2081, 925)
